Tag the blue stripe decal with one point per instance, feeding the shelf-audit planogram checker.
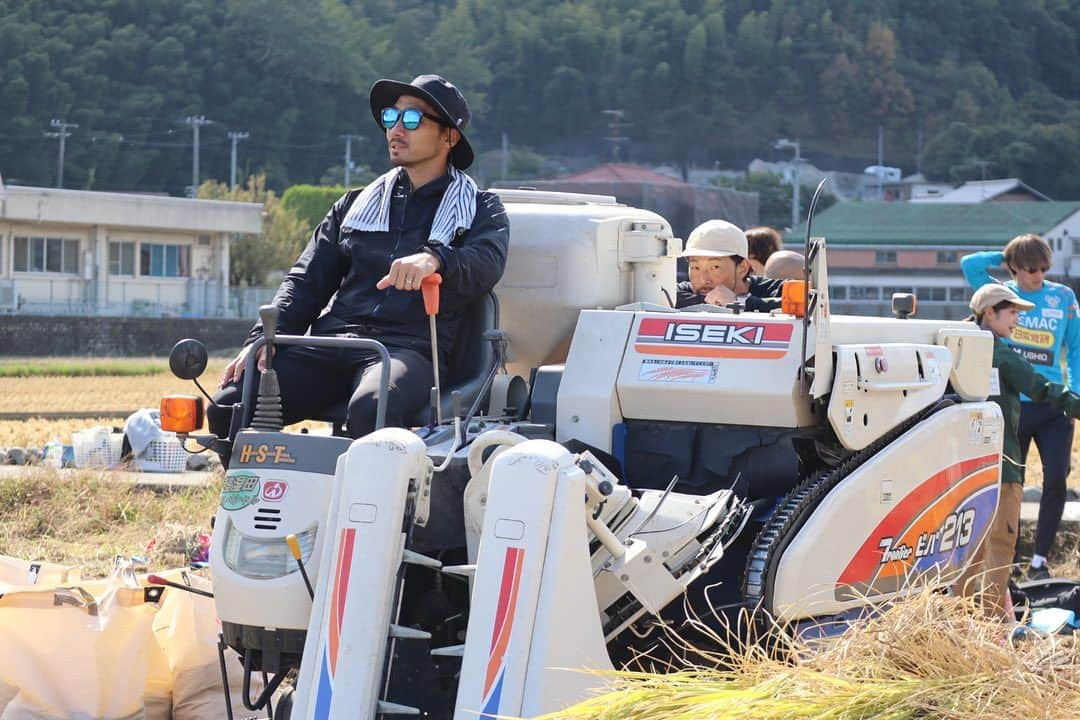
(326, 690)
(491, 710)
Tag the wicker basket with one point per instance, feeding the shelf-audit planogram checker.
(97, 447)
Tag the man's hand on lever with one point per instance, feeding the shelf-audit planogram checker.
(235, 369)
(407, 272)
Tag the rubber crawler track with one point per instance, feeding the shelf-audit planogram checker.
(796, 508)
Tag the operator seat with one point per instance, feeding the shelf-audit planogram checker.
(468, 364)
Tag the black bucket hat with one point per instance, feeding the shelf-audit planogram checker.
(441, 95)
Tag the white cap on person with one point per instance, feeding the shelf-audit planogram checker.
(716, 238)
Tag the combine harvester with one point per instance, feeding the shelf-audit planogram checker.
(797, 464)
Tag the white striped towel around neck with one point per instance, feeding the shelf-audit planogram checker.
(370, 212)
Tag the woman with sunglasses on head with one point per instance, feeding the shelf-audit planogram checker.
(1046, 335)
(361, 272)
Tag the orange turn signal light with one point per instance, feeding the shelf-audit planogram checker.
(181, 413)
(793, 298)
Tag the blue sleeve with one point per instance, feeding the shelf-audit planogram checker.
(976, 267)
(1071, 341)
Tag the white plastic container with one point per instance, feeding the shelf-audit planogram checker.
(97, 447)
(164, 454)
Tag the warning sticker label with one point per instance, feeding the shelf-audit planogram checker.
(679, 371)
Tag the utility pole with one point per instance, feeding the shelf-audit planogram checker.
(235, 137)
(62, 133)
(196, 122)
(615, 124)
(780, 145)
(881, 161)
(348, 138)
(504, 164)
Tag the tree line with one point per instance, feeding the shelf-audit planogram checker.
(962, 89)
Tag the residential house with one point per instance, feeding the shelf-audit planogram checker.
(877, 249)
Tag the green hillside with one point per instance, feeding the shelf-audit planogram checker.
(978, 85)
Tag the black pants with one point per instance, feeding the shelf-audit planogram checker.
(1052, 431)
(313, 380)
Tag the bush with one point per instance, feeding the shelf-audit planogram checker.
(310, 203)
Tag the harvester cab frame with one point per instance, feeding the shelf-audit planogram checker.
(797, 464)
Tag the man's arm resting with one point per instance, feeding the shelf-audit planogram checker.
(686, 297)
(474, 267)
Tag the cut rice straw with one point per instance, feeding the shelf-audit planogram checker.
(930, 656)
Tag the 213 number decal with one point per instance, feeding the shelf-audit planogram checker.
(955, 532)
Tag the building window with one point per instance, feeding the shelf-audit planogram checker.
(863, 292)
(121, 258)
(157, 260)
(838, 293)
(1076, 246)
(884, 257)
(887, 292)
(947, 257)
(959, 294)
(933, 294)
(46, 254)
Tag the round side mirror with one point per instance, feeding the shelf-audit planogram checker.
(188, 359)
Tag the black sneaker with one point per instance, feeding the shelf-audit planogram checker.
(1038, 573)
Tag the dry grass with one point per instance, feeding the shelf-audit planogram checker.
(929, 657)
(87, 518)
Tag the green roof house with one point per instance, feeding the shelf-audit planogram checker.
(876, 249)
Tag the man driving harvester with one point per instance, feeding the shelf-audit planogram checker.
(368, 258)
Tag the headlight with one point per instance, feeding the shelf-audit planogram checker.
(262, 558)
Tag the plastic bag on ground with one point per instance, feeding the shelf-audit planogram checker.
(112, 649)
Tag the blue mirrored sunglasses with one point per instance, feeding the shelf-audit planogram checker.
(410, 118)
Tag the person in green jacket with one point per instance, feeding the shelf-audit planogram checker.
(997, 309)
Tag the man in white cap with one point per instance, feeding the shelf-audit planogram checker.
(720, 273)
(997, 309)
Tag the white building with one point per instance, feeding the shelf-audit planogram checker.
(80, 252)
(979, 191)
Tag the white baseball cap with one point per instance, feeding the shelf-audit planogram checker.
(716, 238)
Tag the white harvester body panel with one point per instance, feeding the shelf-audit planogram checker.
(259, 506)
(920, 506)
(526, 581)
(878, 386)
(572, 251)
(588, 401)
(353, 608)
(713, 368)
(972, 351)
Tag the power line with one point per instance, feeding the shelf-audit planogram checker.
(62, 134)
